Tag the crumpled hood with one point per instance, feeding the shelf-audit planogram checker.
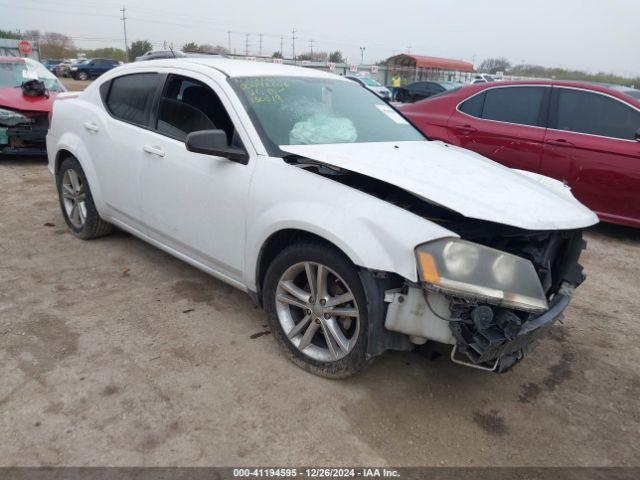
(460, 180)
(12, 98)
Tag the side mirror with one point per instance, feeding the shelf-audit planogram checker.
(214, 142)
(638, 135)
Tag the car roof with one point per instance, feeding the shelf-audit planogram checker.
(602, 88)
(237, 68)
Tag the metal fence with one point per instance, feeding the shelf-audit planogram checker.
(381, 73)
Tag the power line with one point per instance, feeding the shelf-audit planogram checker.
(124, 24)
(293, 43)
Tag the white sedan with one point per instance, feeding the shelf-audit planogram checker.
(353, 231)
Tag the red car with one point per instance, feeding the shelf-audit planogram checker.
(27, 92)
(585, 135)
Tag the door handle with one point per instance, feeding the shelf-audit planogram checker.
(560, 142)
(466, 129)
(92, 127)
(153, 150)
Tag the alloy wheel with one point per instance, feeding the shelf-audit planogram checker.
(74, 198)
(317, 311)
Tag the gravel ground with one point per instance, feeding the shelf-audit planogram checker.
(114, 353)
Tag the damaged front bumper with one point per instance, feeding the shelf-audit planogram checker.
(24, 138)
(495, 350)
(485, 334)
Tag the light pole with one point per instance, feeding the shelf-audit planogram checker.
(362, 49)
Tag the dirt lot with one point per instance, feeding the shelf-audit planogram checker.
(74, 85)
(114, 353)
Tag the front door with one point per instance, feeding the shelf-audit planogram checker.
(194, 203)
(591, 146)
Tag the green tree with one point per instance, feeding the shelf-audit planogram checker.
(336, 57)
(277, 54)
(138, 48)
(107, 52)
(10, 34)
(191, 47)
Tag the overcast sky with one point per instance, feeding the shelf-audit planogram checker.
(592, 35)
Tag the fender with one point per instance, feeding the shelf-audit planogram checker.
(72, 143)
(373, 233)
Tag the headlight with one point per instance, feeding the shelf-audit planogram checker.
(9, 118)
(467, 269)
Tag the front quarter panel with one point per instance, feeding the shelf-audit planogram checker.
(373, 233)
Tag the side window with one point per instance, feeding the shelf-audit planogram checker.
(595, 114)
(187, 106)
(520, 105)
(474, 105)
(130, 97)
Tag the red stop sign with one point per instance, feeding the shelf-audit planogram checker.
(24, 47)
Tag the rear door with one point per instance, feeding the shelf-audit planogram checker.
(114, 138)
(505, 124)
(591, 146)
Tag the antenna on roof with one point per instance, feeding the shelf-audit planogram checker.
(171, 50)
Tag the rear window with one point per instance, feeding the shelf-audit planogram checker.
(130, 97)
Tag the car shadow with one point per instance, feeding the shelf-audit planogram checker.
(14, 160)
(616, 232)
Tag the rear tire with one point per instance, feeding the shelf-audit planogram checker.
(82, 76)
(76, 202)
(332, 329)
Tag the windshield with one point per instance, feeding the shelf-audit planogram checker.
(369, 81)
(15, 73)
(313, 111)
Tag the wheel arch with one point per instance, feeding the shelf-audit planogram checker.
(71, 146)
(281, 239)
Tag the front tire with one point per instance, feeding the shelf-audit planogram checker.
(82, 76)
(317, 309)
(76, 202)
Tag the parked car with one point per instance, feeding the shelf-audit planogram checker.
(63, 68)
(584, 135)
(92, 68)
(27, 92)
(417, 91)
(371, 84)
(483, 78)
(50, 64)
(313, 195)
(159, 54)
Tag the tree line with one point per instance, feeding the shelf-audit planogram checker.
(495, 65)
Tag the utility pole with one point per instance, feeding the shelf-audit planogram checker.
(260, 54)
(362, 50)
(229, 40)
(293, 44)
(409, 49)
(124, 24)
(311, 47)
(246, 45)
(282, 46)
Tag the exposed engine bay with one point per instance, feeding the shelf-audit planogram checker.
(24, 132)
(24, 135)
(484, 335)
